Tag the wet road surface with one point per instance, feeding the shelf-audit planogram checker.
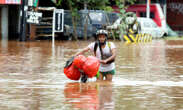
(148, 77)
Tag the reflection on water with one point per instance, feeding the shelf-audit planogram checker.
(148, 77)
(94, 96)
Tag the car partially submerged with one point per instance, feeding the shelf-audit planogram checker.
(147, 26)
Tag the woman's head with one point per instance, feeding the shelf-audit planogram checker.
(102, 36)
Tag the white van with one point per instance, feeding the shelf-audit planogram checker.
(148, 26)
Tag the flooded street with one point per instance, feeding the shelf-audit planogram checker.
(149, 76)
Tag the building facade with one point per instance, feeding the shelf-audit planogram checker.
(9, 18)
(175, 15)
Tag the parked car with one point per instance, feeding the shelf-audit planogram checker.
(97, 19)
(150, 27)
(147, 26)
(80, 24)
(100, 18)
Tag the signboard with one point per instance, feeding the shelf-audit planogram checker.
(33, 17)
(10, 1)
(58, 20)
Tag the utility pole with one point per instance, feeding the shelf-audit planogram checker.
(165, 8)
(23, 22)
(148, 9)
(165, 12)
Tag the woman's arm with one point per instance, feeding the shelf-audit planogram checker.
(82, 51)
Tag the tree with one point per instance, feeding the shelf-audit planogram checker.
(123, 5)
(93, 5)
(75, 5)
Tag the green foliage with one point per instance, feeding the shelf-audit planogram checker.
(75, 5)
(123, 14)
(91, 4)
(108, 9)
(59, 3)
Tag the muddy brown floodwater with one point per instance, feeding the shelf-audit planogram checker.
(148, 77)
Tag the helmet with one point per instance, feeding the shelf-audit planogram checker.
(102, 31)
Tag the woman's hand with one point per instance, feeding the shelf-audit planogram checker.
(103, 61)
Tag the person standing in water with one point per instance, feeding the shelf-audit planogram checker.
(105, 52)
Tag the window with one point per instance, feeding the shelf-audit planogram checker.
(143, 14)
(152, 15)
(97, 17)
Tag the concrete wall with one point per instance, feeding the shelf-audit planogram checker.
(175, 15)
(4, 22)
